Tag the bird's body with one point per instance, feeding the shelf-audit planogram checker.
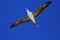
(31, 16)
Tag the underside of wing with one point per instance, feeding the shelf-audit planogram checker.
(20, 21)
(41, 8)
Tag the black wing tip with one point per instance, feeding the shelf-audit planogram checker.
(12, 26)
(49, 2)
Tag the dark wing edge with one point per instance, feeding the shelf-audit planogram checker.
(35, 13)
(41, 8)
(20, 21)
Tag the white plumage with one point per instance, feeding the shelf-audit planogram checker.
(31, 16)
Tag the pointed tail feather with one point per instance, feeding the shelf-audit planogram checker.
(36, 24)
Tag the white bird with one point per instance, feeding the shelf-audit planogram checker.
(31, 16)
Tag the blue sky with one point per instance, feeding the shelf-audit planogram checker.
(48, 20)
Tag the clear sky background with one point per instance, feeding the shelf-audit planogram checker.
(48, 20)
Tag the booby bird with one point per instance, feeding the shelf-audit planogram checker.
(31, 16)
(35, 13)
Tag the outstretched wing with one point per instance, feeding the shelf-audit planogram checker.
(41, 8)
(20, 21)
(35, 13)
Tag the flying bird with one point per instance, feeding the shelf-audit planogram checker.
(34, 14)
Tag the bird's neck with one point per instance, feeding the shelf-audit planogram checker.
(28, 11)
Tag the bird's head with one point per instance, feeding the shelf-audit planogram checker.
(27, 10)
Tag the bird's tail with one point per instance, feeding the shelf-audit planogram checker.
(36, 24)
